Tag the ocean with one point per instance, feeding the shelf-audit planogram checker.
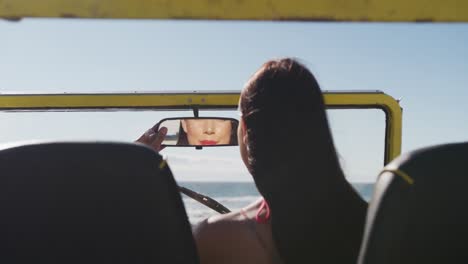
(235, 195)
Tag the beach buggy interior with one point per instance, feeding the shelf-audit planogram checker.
(75, 188)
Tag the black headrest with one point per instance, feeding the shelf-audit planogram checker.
(419, 210)
(90, 203)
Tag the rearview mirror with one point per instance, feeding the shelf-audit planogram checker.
(199, 131)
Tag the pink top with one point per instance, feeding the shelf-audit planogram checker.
(263, 219)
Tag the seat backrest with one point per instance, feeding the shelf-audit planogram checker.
(419, 210)
(90, 203)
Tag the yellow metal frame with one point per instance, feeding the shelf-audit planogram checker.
(321, 10)
(208, 100)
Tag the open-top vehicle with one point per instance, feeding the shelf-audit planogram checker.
(162, 217)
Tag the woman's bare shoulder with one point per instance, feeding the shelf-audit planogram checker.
(219, 226)
(233, 222)
(224, 239)
(215, 237)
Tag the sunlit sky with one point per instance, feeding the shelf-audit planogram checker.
(424, 65)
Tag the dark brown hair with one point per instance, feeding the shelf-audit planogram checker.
(316, 214)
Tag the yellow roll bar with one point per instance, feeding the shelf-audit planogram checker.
(204, 100)
(304, 10)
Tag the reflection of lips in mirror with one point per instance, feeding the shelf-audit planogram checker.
(208, 142)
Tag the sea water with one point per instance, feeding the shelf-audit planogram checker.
(235, 195)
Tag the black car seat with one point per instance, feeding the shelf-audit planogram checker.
(90, 203)
(419, 209)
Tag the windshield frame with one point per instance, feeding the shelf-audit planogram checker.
(206, 100)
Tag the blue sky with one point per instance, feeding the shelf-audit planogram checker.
(423, 64)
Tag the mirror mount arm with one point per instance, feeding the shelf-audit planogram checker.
(196, 113)
(205, 200)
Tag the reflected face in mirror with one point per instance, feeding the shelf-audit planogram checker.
(207, 132)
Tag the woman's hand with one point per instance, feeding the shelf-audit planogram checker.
(154, 139)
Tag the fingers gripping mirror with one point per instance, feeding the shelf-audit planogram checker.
(199, 131)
